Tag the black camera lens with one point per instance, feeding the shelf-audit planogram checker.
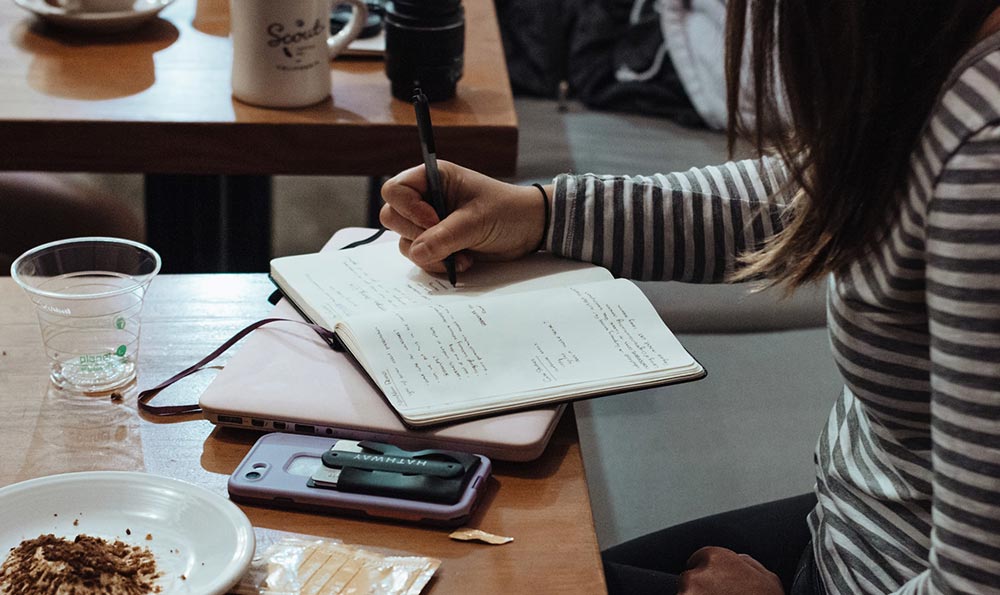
(252, 475)
(424, 47)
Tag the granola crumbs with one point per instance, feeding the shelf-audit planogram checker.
(49, 564)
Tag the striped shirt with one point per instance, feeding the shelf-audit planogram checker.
(908, 463)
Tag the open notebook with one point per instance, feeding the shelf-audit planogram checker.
(285, 378)
(512, 335)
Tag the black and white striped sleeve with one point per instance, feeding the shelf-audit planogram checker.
(963, 302)
(686, 226)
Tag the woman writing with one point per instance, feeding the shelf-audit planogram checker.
(885, 180)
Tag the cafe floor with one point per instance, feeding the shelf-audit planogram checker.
(743, 435)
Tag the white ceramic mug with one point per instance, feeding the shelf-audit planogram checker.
(96, 5)
(282, 49)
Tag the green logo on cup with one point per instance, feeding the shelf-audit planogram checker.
(119, 323)
(120, 351)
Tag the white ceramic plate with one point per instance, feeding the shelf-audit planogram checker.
(195, 534)
(97, 22)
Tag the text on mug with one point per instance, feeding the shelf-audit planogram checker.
(279, 38)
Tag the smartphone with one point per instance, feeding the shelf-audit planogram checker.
(287, 471)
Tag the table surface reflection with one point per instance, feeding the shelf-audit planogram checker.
(543, 504)
(158, 100)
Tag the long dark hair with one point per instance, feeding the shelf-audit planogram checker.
(857, 80)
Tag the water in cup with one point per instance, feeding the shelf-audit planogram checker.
(88, 295)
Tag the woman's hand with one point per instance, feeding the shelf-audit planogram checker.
(719, 571)
(489, 220)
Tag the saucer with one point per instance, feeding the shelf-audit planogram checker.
(97, 22)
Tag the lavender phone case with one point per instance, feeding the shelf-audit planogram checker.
(275, 465)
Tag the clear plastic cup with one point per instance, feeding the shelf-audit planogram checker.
(88, 295)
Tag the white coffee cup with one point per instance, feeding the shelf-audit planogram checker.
(282, 49)
(96, 5)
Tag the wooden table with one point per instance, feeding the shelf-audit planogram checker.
(544, 504)
(158, 101)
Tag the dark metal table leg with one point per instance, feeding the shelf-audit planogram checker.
(209, 223)
(247, 224)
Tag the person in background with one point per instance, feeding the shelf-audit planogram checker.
(36, 208)
(885, 183)
(655, 57)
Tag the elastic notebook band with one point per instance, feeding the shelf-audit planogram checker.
(167, 410)
(374, 236)
(548, 213)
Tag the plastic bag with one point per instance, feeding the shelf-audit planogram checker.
(305, 566)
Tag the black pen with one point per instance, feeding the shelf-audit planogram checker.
(434, 192)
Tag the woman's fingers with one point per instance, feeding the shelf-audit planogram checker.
(456, 233)
(431, 267)
(404, 193)
(390, 218)
(488, 220)
(463, 260)
(753, 562)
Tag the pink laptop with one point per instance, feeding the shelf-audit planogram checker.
(285, 378)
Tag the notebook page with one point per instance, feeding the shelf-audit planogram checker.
(332, 286)
(477, 354)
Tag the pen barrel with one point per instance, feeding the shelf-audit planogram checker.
(435, 193)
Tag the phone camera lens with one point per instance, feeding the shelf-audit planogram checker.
(253, 475)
